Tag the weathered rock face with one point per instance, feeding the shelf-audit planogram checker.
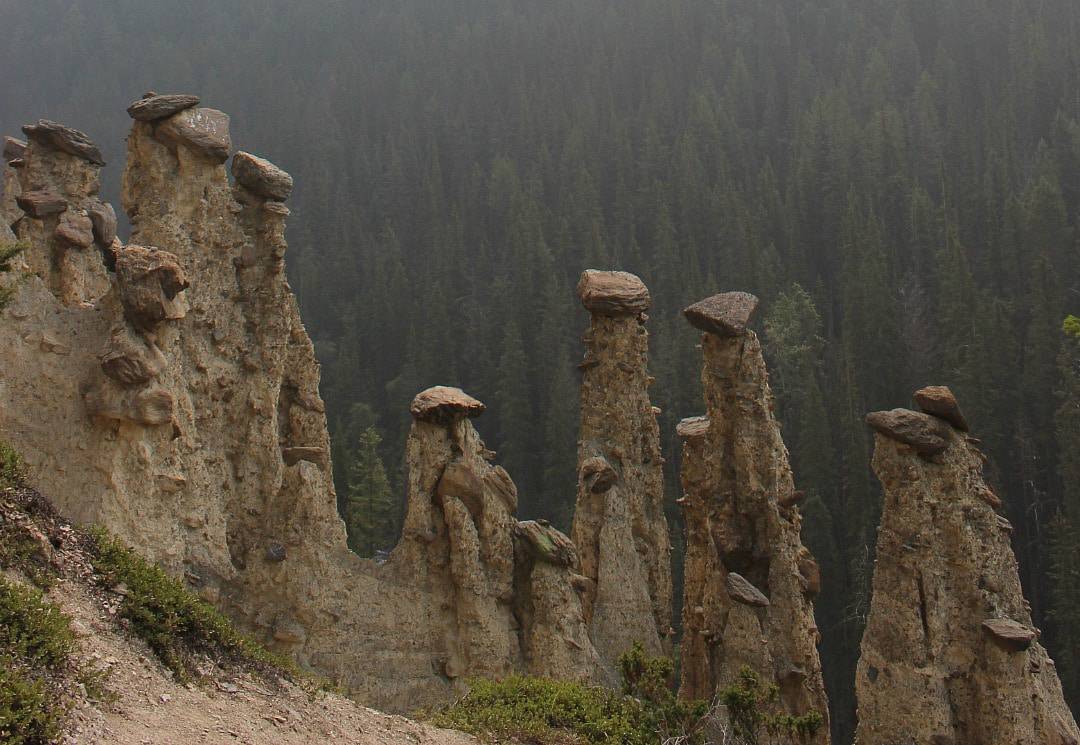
(47, 201)
(619, 525)
(749, 581)
(167, 390)
(949, 654)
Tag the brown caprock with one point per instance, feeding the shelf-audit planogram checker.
(749, 581)
(619, 525)
(949, 655)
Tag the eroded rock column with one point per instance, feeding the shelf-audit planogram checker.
(749, 581)
(619, 525)
(949, 655)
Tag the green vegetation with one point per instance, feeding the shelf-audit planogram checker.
(177, 626)
(369, 507)
(36, 642)
(8, 251)
(748, 702)
(537, 710)
(546, 712)
(12, 470)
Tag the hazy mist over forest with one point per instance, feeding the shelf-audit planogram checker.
(897, 180)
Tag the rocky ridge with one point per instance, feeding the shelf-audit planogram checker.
(749, 582)
(949, 655)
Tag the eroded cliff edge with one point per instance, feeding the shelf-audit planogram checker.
(168, 390)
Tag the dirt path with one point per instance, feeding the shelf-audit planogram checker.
(151, 708)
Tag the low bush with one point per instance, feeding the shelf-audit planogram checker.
(178, 626)
(36, 643)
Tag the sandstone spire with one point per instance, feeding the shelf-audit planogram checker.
(619, 525)
(949, 654)
(749, 581)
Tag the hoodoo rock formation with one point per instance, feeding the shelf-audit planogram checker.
(749, 581)
(949, 655)
(619, 525)
(167, 389)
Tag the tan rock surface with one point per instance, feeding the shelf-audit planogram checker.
(619, 525)
(949, 653)
(748, 578)
(176, 401)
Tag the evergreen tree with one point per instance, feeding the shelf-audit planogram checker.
(369, 509)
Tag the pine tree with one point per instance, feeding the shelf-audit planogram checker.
(369, 511)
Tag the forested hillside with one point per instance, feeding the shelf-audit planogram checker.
(898, 180)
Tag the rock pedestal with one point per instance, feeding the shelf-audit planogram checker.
(749, 581)
(949, 654)
(619, 525)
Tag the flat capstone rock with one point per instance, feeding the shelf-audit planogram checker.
(206, 131)
(152, 107)
(939, 401)
(926, 434)
(41, 203)
(444, 403)
(546, 543)
(726, 314)
(692, 427)
(63, 138)
(261, 177)
(741, 590)
(1009, 634)
(13, 149)
(613, 293)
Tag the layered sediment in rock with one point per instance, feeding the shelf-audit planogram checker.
(949, 654)
(167, 390)
(619, 525)
(749, 581)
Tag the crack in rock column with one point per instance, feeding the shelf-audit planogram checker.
(619, 525)
(749, 581)
(949, 655)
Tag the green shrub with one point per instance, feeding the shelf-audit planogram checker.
(12, 471)
(747, 703)
(537, 710)
(8, 251)
(36, 643)
(176, 625)
(1072, 326)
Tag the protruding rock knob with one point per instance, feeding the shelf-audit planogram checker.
(693, 427)
(261, 177)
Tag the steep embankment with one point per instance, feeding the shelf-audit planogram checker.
(135, 659)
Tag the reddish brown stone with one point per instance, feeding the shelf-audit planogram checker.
(68, 140)
(740, 589)
(150, 280)
(927, 435)
(726, 314)
(613, 293)
(206, 131)
(261, 177)
(1009, 634)
(75, 229)
(693, 427)
(598, 475)
(152, 106)
(41, 204)
(939, 401)
(444, 403)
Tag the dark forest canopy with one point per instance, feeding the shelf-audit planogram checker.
(898, 180)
